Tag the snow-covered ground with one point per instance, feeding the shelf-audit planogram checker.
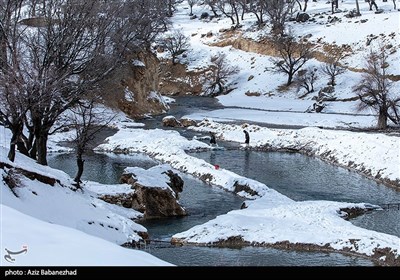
(270, 222)
(61, 205)
(64, 227)
(49, 244)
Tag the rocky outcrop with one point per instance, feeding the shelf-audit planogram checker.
(175, 79)
(244, 188)
(188, 122)
(134, 86)
(176, 183)
(153, 201)
(11, 176)
(171, 121)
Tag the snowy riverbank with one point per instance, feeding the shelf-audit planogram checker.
(169, 146)
(375, 155)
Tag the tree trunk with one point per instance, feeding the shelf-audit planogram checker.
(382, 119)
(170, 10)
(41, 147)
(33, 150)
(237, 16)
(11, 152)
(358, 8)
(305, 5)
(290, 78)
(333, 82)
(16, 130)
(3, 51)
(22, 147)
(335, 5)
(214, 10)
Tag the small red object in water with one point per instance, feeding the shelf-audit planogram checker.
(216, 166)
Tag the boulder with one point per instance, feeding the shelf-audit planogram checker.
(155, 192)
(188, 122)
(171, 121)
(302, 17)
(238, 187)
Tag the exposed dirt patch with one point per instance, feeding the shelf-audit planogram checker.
(206, 177)
(240, 187)
(133, 86)
(175, 79)
(29, 174)
(265, 46)
(353, 212)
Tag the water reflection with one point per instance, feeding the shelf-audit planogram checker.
(252, 256)
(105, 168)
(300, 177)
(203, 203)
(303, 178)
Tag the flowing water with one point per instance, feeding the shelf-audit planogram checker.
(203, 203)
(303, 178)
(297, 176)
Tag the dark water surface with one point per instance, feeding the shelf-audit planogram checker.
(297, 176)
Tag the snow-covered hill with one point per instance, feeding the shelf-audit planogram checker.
(358, 35)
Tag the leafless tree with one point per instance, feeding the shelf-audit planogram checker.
(13, 93)
(244, 7)
(191, 3)
(258, 7)
(306, 79)
(176, 44)
(221, 71)
(170, 7)
(374, 89)
(292, 56)
(332, 69)
(279, 12)
(88, 120)
(230, 8)
(213, 6)
(69, 47)
(144, 20)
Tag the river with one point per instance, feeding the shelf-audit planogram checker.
(294, 175)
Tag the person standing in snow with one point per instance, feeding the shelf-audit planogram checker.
(247, 137)
(213, 142)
